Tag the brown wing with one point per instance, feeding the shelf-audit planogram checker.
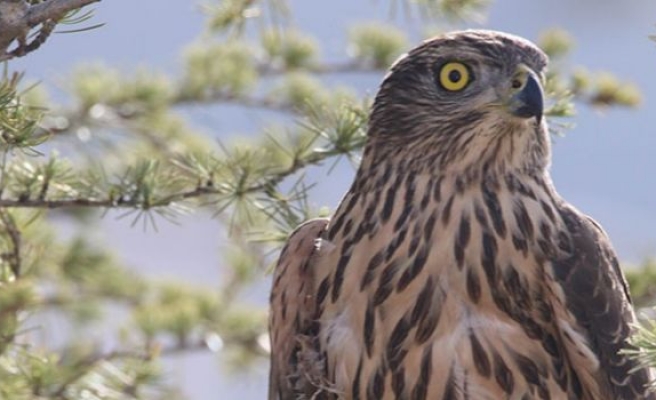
(291, 311)
(597, 296)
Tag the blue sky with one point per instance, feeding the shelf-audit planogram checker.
(606, 165)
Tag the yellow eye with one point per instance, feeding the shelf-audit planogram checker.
(454, 76)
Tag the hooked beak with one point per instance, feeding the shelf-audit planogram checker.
(527, 100)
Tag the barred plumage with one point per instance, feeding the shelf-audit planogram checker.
(452, 269)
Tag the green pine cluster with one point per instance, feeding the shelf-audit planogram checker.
(124, 147)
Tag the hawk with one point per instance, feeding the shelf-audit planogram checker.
(452, 269)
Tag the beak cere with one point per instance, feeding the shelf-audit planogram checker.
(529, 101)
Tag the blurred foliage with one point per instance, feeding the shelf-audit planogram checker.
(566, 85)
(377, 45)
(642, 281)
(126, 145)
(289, 49)
(221, 68)
(443, 10)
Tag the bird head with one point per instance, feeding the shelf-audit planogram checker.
(463, 100)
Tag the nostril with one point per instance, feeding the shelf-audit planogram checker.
(516, 84)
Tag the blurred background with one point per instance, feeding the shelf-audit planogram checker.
(603, 163)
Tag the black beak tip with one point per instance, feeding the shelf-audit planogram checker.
(530, 100)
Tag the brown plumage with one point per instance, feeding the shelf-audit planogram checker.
(452, 269)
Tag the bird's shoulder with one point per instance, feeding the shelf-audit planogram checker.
(589, 259)
(597, 296)
(291, 307)
(299, 248)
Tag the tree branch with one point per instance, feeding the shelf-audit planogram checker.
(348, 67)
(167, 200)
(17, 18)
(262, 103)
(14, 257)
(54, 9)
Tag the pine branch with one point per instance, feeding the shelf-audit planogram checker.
(348, 67)
(14, 257)
(240, 100)
(112, 202)
(53, 9)
(80, 117)
(18, 17)
(86, 365)
(137, 203)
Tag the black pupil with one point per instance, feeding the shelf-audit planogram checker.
(455, 76)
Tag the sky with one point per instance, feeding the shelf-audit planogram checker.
(605, 165)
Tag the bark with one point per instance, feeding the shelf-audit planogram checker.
(18, 18)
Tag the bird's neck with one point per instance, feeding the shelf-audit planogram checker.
(384, 171)
(512, 147)
(395, 194)
(392, 172)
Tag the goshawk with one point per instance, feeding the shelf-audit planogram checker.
(452, 269)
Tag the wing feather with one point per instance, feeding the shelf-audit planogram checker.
(597, 295)
(291, 308)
